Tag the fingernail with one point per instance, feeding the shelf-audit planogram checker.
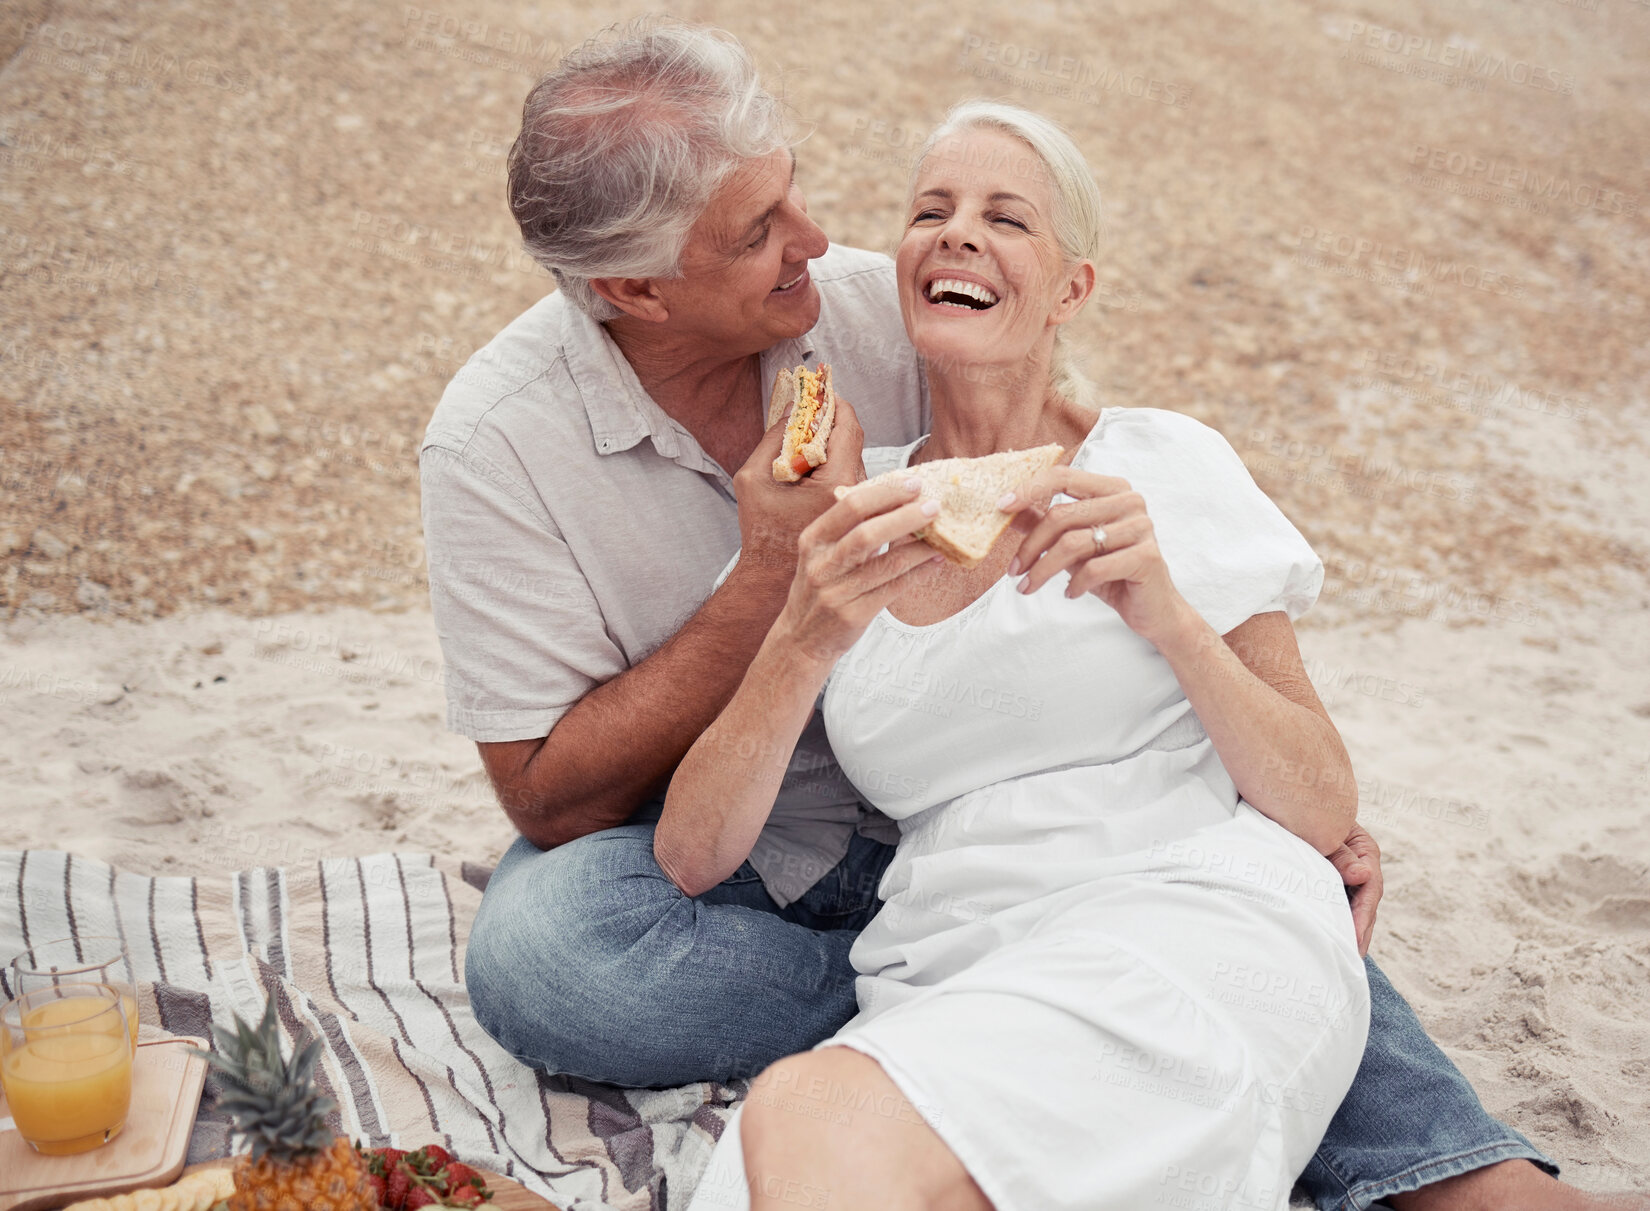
(930, 507)
(912, 485)
(1006, 499)
(1024, 582)
(1014, 566)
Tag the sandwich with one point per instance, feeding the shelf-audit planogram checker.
(969, 521)
(807, 393)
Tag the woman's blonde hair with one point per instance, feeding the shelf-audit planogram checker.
(1078, 226)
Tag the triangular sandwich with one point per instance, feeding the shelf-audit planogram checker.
(969, 522)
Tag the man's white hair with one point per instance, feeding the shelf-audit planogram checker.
(622, 146)
(1078, 218)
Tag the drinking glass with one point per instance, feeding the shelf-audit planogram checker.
(66, 1066)
(94, 959)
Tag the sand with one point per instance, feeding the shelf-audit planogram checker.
(1400, 257)
(1505, 773)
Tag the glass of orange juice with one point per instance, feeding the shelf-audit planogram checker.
(66, 1066)
(94, 959)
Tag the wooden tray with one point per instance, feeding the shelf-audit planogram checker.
(149, 1151)
(507, 1195)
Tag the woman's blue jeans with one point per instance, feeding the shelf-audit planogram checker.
(587, 960)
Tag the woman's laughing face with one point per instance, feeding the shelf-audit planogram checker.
(982, 278)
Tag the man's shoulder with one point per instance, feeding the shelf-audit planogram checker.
(859, 306)
(524, 359)
(862, 335)
(842, 263)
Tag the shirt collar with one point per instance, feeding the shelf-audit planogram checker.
(621, 412)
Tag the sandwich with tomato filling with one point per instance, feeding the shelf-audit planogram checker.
(812, 403)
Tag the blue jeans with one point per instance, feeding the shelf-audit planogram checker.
(587, 960)
(1410, 1118)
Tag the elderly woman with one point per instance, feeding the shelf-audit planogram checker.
(1042, 1021)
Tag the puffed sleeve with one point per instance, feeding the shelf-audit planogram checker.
(1231, 551)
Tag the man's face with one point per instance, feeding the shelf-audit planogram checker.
(745, 284)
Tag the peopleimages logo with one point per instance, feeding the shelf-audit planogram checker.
(1408, 264)
(1493, 393)
(1500, 173)
(882, 681)
(1476, 63)
(1358, 472)
(118, 61)
(1047, 71)
(453, 36)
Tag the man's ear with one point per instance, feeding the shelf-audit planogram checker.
(1078, 288)
(638, 297)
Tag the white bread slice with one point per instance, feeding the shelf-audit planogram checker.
(969, 522)
(784, 395)
(788, 387)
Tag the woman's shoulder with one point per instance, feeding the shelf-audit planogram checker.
(1132, 434)
(1158, 423)
(1231, 550)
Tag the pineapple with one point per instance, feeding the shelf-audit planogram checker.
(296, 1164)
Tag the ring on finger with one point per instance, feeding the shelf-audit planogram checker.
(1099, 540)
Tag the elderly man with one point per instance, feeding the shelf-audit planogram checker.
(585, 478)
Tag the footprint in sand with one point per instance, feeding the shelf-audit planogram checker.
(152, 796)
(1603, 890)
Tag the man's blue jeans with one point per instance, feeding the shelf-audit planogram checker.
(587, 960)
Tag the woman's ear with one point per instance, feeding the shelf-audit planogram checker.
(1079, 285)
(638, 297)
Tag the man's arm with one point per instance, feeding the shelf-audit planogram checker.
(618, 743)
(609, 752)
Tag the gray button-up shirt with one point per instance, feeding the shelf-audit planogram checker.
(571, 527)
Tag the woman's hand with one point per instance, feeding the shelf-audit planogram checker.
(841, 581)
(1128, 574)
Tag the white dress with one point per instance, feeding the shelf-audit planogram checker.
(1101, 977)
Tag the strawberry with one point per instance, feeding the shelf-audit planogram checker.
(380, 1188)
(465, 1187)
(387, 1159)
(396, 1185)
(419, 1196)
(459, 1174)
(436, 1157)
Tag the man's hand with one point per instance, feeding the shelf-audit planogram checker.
(771, 514)
(1359, 862)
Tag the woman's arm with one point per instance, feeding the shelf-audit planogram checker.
(727, 782)
(1252, 694)
(723, 790)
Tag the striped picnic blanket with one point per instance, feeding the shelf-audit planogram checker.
(366, 954)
